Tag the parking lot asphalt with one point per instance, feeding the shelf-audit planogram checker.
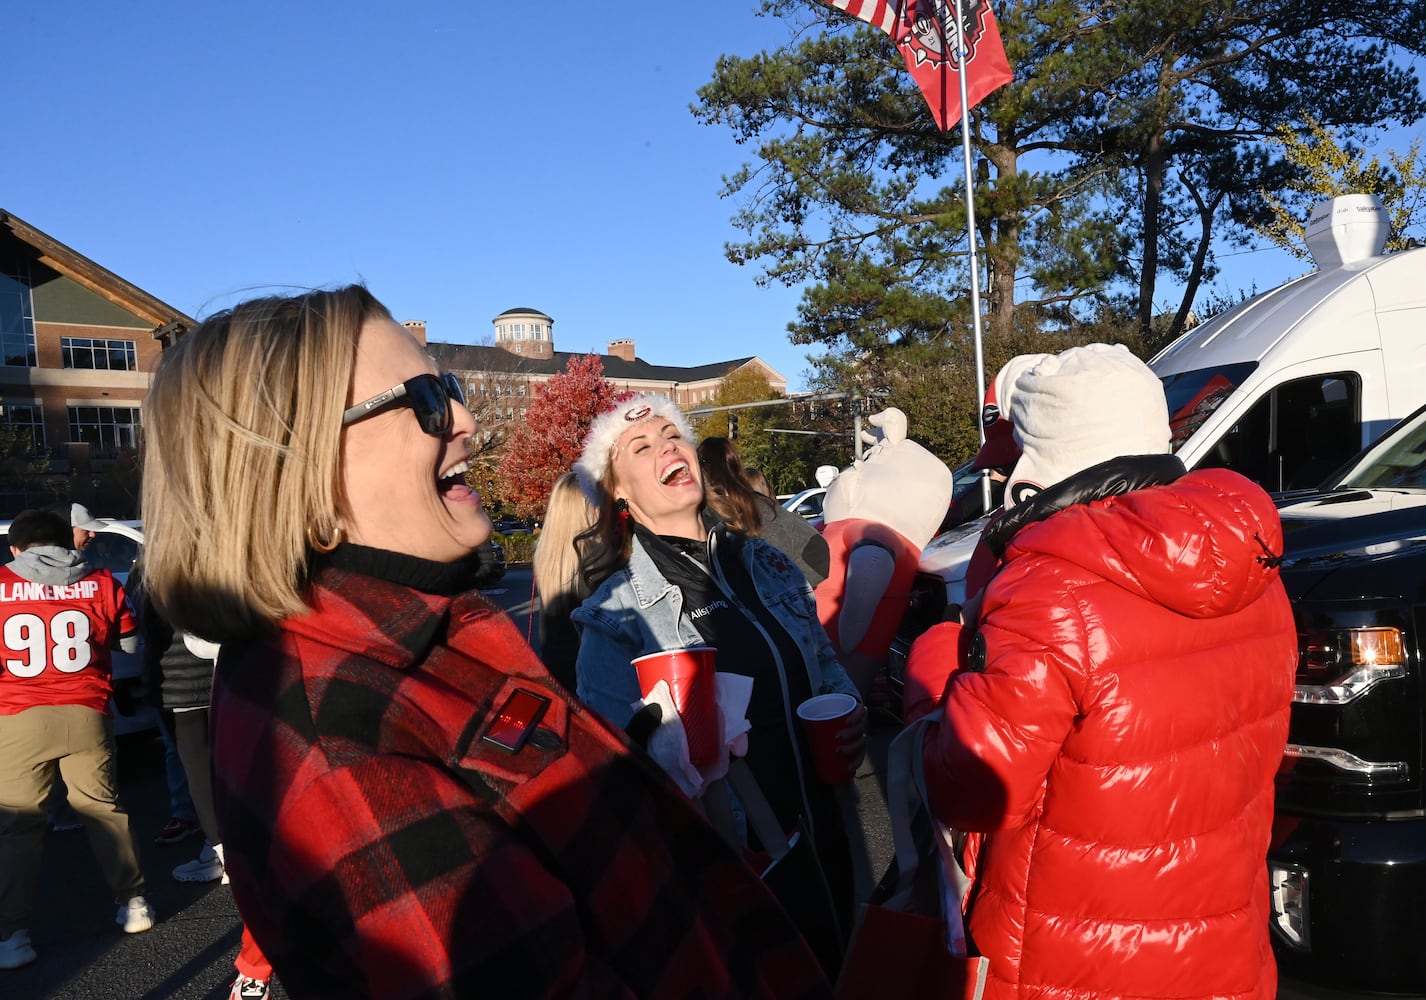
(83, 955)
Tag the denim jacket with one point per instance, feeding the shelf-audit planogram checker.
(637, 611)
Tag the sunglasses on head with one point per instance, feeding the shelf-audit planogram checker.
(429, 396)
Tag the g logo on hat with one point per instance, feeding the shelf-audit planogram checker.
(634, 413)
(989, 414)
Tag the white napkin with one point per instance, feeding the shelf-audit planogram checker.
(668, 745)
(201, 648)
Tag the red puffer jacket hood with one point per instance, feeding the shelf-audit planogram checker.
(1120, 744)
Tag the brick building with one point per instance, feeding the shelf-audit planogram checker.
(501, 379)
(77, 344)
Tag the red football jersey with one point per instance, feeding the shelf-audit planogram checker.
(55, 640)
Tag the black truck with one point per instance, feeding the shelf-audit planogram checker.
(1348, 856)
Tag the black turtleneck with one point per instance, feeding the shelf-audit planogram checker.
(425, 575)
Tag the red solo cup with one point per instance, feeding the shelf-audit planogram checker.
(824, 717)
(693, 680)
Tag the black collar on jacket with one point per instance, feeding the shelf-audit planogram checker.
(1107, 479)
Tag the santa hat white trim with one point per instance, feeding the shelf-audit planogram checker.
(605, 431)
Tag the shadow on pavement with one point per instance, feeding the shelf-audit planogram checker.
(83, 955)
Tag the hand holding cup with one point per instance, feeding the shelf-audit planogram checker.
(836, 732)
(691, 676)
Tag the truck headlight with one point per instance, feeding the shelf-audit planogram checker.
(1336, 666)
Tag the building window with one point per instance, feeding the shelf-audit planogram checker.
(17, 323)
(510, 413)
(24, 429)
(106, 429)
(522, 389)
(100, 355)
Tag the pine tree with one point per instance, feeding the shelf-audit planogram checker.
(1132, 134)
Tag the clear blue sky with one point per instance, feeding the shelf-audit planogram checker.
(461, 158)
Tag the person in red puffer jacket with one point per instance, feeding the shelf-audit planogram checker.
(1114, 723)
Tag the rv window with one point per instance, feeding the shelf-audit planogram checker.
(1295, 435)
(1193, 396)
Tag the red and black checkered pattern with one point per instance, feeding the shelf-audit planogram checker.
(379, 848)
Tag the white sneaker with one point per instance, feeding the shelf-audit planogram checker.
(135, 916)
(16, 950)
(207, 867)
(218, 850)
(248, 988)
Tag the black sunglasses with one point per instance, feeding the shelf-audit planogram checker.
(429, 396)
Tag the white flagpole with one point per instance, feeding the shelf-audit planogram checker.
(971, 233)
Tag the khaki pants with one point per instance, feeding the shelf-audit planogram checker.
(77, 742)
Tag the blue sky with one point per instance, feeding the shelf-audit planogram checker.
(458, 164)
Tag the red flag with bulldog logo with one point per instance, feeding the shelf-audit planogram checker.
(925, 32)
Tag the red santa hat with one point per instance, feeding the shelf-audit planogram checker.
(629, 409)
(1080, 407)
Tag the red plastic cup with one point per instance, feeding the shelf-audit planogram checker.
(692, 678)
(824, 717)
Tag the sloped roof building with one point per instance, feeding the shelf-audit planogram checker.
(524, 356)
(77, 346)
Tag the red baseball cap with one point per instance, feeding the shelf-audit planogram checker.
(1000, 448)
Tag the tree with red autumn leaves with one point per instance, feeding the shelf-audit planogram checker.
(548, 442)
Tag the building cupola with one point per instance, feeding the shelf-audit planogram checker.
(526, 332)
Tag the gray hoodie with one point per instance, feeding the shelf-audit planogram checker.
(56, 566)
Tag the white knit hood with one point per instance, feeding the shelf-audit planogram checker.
(1081, 407)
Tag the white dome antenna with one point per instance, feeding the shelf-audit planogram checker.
(1347, 230)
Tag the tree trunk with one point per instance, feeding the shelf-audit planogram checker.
(1154, 160)
(1002, 253)
(1200, 254)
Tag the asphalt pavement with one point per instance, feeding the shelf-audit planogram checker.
(83, 955)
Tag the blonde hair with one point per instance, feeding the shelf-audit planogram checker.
(242, 453)
(558, 577)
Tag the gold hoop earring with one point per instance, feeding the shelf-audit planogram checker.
(321, 544)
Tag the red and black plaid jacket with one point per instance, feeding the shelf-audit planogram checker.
(379, 848)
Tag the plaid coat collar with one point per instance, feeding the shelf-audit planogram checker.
(412, 621)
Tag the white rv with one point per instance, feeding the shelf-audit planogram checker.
(1288, 385)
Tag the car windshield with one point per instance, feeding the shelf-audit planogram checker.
(1396, 462)
(808, 503)
(1193, 396)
